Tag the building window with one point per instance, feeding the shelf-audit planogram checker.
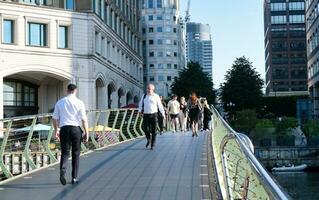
(160, 66)
(63, 37)
(175, 66)
(19, 94)
(159, 41)
(160, 54)
(159, 4)
(97, 43)
(297, 6)
(150, 18)
(169, 66)
(175, 42)
(69, 4)
(8, 31)
(168, 54)
(175, 54)
(151, 42)
(159, 17)
(160, 78)
(168, 17)
(150, 3)
(159, 29)
(152, 78)
(296, 19)
(152, 65)
(174, 30)
(280, 19)
(168, 29)
(168, 41)
(151, 54)
(151, 30)
(278, 6)
(169, 78)
(37, 34)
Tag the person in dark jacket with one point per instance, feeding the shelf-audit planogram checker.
(207, 115)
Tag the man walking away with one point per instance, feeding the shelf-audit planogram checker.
(69, 114)
(173, 110)
(149, 106)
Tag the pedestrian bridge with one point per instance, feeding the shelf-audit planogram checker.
(115, 164)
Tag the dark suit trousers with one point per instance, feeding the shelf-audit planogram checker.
(70, 136)
(149, 127)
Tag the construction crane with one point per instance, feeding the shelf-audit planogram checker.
(188, 16)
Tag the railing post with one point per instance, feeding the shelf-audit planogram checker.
(129, 124)
(47, 146)
(4, 169)
(105, 139)
(92, 136)
(122, 124)
(135, 125)
(114, 124)
(26, 153)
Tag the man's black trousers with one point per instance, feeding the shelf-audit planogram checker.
(149, 127)
(70, 136)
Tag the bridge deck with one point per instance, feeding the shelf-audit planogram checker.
(176, 169)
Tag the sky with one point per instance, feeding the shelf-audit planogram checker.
(237, 30)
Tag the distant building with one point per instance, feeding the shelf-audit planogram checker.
(312, 17)
(285, 47)
(47, 44)
(199, 47)
(163, 43)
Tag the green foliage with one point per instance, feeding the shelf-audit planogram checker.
(242, 86)
(285, 125)
(194, 79)
(311, 128)
(264, 129)
(245, 121)
(279, 106)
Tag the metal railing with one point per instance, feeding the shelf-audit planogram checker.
(27, 143)
(239, 173)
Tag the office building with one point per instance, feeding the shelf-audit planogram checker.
(199, 46)
(285, 47)
(45, 45)
(163, 43)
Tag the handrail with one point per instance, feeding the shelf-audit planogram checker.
(224, 134)
(27, 143)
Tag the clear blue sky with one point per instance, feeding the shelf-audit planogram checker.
(237, 30)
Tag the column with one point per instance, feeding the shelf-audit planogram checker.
(315, 101)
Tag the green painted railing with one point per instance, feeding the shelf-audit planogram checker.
(239, 173)
(27, 143)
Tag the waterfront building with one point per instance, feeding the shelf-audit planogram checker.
(45, 45)
(163, 43)
(312, 21)
(199, 47)
(285, 47)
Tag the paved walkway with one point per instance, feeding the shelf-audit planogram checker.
(175, 169)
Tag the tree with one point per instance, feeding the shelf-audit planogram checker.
(245, 121)
(242, 88)
(193, 79)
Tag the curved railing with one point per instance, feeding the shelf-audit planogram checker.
(27, 143)
(239, 173)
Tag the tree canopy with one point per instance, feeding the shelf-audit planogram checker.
(242, 87)
(193, 79)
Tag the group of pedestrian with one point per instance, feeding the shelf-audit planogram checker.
(70, 115)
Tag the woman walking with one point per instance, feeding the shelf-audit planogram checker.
(207, 115)
(183, 115)
(194, 109)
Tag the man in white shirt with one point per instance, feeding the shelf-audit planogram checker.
(173, 110)
(149, 107)
(69, 114)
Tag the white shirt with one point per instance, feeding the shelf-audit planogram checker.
(69, 111)
(173, 107)
(152, 103)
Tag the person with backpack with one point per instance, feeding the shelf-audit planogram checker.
(149, 107)
(207, 115)
(194, 108)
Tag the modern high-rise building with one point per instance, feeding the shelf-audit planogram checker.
(285, 47)
(199, 47)
(163, 43)
(47, 44)
(312, 21)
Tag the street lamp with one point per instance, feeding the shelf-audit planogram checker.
(231, 105)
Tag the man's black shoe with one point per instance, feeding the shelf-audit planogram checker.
(147, 144)
(62, 179)
(74, 181)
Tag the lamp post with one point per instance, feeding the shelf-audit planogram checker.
(231, 105)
